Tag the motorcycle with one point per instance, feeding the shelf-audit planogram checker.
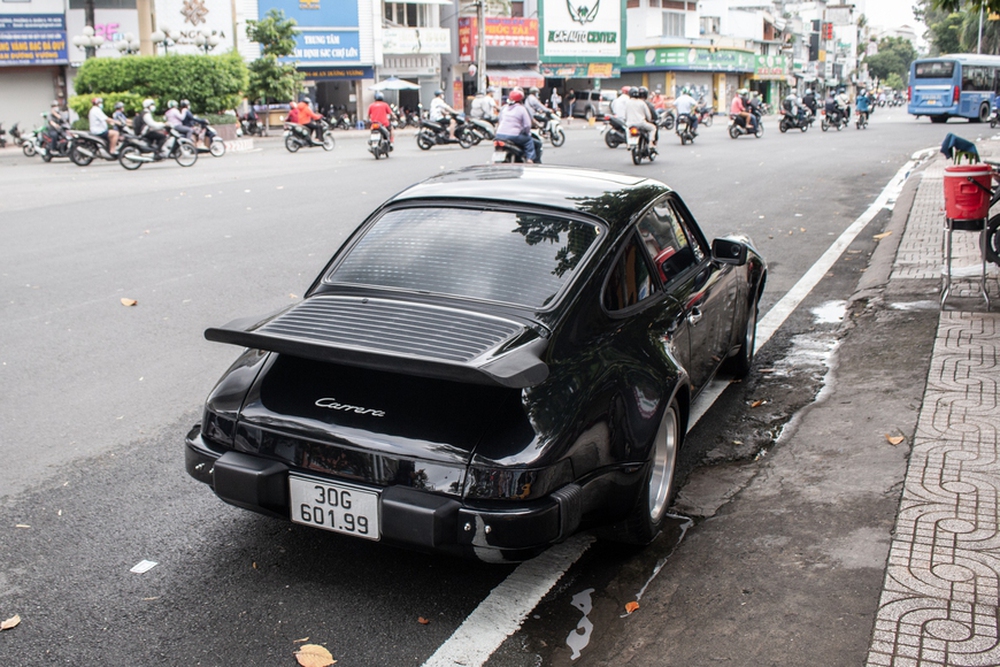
(31, 145)
(339, 121)
(480, 129)
(378, 143)
(800, 121)
(551, 128)
(86, 147)
(504, 151)
(684, 129)
(432, 133)
(640, 146)
(614, 131)
(839, 120)
(665, 118)
(48, 149)
(17, 135)
(136, 151)
(738, 126)
(250, 124)
(862, 121)
(299, 136)
(705, 116)
(207, 140)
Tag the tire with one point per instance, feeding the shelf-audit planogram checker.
(28, 148)
(805, 127)
(659, 485)
(824, 125)
(47, 156)
(423, 142)
(217, 148)
(589, 114)
(992, 249)
(464, 138)
(611, 140)
(708, 120)
(329, 143)
(636, 156)
(185, 153)
(123, 158)
(760, 130)
(292, 144)
(558, 138)
(78, 158)
(938, 119)
(984, 113)
(739, 365)
(734, 131)
(783, 126)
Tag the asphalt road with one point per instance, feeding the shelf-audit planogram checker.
(95, 396)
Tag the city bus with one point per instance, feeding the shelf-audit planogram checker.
(959, 86)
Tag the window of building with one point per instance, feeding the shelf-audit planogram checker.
(654, 3)
(673, 24)
(710, 25)
(517, 9)
(631, 4)
(406, 14)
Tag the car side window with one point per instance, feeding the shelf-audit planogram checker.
(668, 241)
(630, 281)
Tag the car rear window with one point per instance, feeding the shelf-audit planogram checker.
(505, 256)
(934, 69)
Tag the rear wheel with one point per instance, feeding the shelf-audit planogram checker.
(707, 122)
(185, 153)
(824, 125)
(128, 157)
(292, 144)
(558, 138)
(984, 112)
(636, 155)
(217, 148)
(938, 119)
(28, 148)
(464, 138)
(734, 131)
(589, 114)
(992, 249)
(77, 156)
(783, 126)
(611, 139)
(423, 142)
(329, 143)
(739, 365)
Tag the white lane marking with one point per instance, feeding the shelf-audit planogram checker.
(500, 615)
(775, 317)
(505, 608)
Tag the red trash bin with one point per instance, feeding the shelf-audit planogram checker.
(965, 200)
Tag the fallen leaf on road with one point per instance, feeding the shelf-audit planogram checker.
(304, 639)
(314, 655)
(631, 606)
(128, 302)
(894, 439)
(423, 621)
(737, 442)
(879, 237)
(22, 525)
(757, 403)
(11, 622)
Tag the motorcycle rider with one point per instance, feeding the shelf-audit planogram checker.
(618, 104)
(534, 105)
(792, 107)
(119, 118)
(844, 102)
(809, 101)
(739, 109)
(57, 125)
(175, 119)
(100, 125)
(484, 107)
(381, 113)
(863, 103)
(441, 113)
(153, 130)
(687, 106)
(638, 114)
(190, 120)
(514, 126)
(311, 119)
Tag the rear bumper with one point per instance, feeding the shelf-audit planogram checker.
(409, 517)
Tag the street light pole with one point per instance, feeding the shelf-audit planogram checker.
(481, 46)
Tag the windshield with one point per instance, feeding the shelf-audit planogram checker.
(507, 256)
(934, 69)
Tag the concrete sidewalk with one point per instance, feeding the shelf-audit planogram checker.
(939, 603)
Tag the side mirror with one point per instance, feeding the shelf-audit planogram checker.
(727, 251)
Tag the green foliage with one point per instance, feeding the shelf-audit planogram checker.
(211, 83)
(220, 118)
(894, 57)
(970, 35)
(81, 103)
(945, 35)
(269, 79)
(972, 5)
(894, 81)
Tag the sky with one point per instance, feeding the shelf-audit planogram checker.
(889, 13)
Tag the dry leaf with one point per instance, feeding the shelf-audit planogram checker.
(314, 655)
(631, 606)
(301, 641)
(423, 621)
(22, 525)
(737, 442)
(757, 403)
(128, 302)
(11, 622)
(894, 439)
(879, 237)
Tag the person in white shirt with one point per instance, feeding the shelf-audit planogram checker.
(99, 124)
(440, 112)
(687, 105)
(637, 114)
(618, 104)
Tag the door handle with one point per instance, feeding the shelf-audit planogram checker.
(694, 316)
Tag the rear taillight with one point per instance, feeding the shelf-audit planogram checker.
(956, 95)
(909, 94)
(499, 144)
(376, 126)
(634, 131)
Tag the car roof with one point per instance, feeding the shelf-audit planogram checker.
(610, 196)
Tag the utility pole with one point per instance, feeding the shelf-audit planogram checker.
(88, 19)
(481, 46)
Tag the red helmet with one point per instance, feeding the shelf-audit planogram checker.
(625, 90)
(516, 96)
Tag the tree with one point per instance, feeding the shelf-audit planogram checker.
(271, 80)
(992, 6)
(945, 36)
(894, 57)
(970, 35)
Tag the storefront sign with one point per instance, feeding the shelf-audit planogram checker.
(316, 13)
(590, 71)
(515, 32)
(338, 73)
(692, 58)
(33, 40)
(771, 67)
(416, 40)
(187, 18)
(326, 46)
(575, 30)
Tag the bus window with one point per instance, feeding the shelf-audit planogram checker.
(934, 69)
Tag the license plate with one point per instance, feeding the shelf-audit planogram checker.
(375, 138)
(932, 102)
(499, 156)
(341, 508)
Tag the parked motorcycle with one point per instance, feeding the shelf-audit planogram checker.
(800, 121)
(614, 131)
(207, 140)
(86, 147)
(551, 128)
(640, 146)
(738, 126)
(32, 144)
(299, 136)
(504, 151)
(684, 129)
(432, 133)
(137, 151)
(378, 143)
(17, 135)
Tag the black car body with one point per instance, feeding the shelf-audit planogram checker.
(497, 358)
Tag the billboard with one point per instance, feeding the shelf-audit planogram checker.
(326, 46)
(316, 13)
(33, 39)
(575, 30)
(500, 31)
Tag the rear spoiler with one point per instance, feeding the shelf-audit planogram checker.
(514, 362)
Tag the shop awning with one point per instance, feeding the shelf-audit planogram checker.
(506, 77)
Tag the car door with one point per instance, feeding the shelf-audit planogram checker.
(683, 265)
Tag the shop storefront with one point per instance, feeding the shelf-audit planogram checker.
(414, 55)
(33, 56)
(511, 54)
(712, 74)
(771, 78)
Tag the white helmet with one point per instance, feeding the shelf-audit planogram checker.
(149, 104)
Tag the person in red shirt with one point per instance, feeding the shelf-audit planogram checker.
(293, 114)
(381, 113)
(310, 118)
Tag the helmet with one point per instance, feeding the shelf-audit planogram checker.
(633, 92)
(625, 90)
(172, 104)
(184, 104)
(643, 92)
(148, 104)
(532, 91)
(516, 96)
(438, 93)
(97, 100)
(379, 96)
(742, 92)
(307, 100)
(119, 105)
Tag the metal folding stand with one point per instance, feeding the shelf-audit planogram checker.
(976, 225)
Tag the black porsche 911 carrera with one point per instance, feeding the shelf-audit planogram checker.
(497, 358)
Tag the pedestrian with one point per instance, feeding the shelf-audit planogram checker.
(555, 100)
(570, 103)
